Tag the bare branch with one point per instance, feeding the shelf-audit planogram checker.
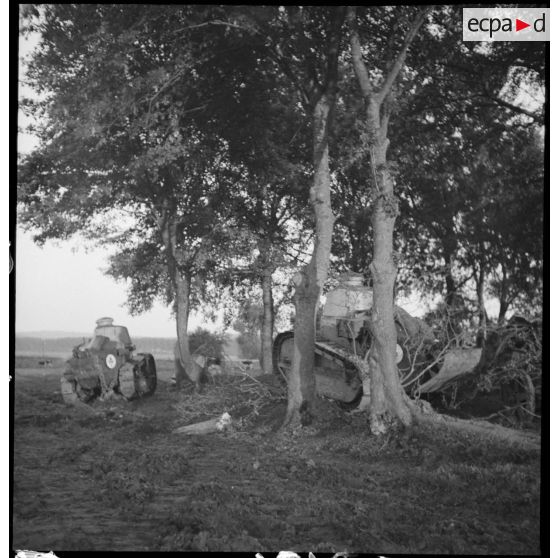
(220, 22)
(537, 117)
(173, 79)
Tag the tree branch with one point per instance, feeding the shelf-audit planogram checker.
(400, 59)
(361, 70)
(333, 50)
(537, 117)
(279, 57)
(220, 22)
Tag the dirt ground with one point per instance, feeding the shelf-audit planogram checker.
(120, 480)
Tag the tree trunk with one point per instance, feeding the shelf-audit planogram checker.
(388, 400)
(450, 282)
(503, 310)
(185, 368)
(266, 354)
(481, 333)
(453, 327)
(389, 405)
(309, 282)
(301, 381)
(503, 296)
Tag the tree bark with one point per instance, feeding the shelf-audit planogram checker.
(503, 296)
(389, 405)
(449, 247)
(503, 310)
(309, 281)
(185, 368)
(523, 439)
(450, 283)
(266, 354)
(481, 333)
(301, 381)
(388, 400)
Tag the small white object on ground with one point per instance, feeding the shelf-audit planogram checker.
(206, 427)
(224, 421)
(34, 554)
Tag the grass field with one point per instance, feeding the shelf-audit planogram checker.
(120, 480)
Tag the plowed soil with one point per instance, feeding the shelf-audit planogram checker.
(119, 479)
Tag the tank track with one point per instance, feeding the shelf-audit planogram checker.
(138, 378)
(353, 369)
(340, 354)
(344, 385)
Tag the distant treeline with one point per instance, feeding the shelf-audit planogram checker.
(162, 346)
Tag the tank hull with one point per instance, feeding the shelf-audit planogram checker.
(105, 366)
(341, 374)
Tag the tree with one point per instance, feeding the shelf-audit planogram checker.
(512, 175)
(256, 113)
(118, 137)
(469, 99)
(317, 46)
(388, 400)
(148, 143)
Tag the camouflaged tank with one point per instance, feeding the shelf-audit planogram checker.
(344, 339)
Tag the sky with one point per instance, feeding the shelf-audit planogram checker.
(62, 288)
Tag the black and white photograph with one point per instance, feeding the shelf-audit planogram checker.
(277, 276)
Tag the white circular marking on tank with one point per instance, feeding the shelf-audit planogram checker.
(398, 354)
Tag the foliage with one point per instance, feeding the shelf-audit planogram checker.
(130, 131)
(207, 343)
(507, 381)
(458, 180)
(238, 395)
(119, 157)
(248, 322)
(513, 177)
(460, 108)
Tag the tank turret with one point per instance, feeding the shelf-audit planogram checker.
(346, 309)
(117, 334)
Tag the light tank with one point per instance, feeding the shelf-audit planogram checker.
(106, 365)
(344, 338)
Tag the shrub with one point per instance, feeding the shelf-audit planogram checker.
(207, 343)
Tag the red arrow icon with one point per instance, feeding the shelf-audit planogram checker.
(519, 25)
